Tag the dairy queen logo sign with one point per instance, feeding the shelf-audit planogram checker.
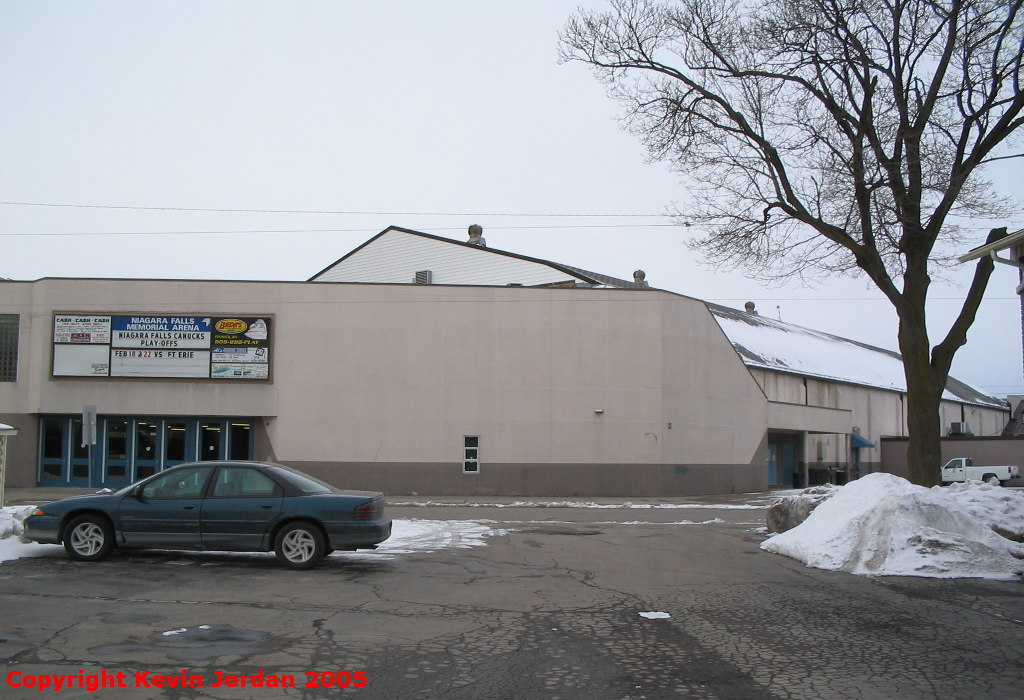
(231, 325)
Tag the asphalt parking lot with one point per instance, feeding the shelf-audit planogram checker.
(518, 601)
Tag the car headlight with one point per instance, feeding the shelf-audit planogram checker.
(38, 511)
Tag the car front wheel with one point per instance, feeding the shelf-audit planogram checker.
(89, 538)
(300, 545)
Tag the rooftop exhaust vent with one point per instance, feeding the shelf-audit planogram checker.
(476, 233)
(424, 277)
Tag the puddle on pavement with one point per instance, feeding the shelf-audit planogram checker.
(195, 644)
(562, 531)
(128, 619)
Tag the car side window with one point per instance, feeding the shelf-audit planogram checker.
(243, 482)
(181, 483)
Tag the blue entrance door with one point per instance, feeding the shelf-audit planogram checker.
(78, 474)
(146, 450)
(115, 445)
(788, 462)
(773, 476)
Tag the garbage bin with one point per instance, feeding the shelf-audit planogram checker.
(840, 477)
(798, 480)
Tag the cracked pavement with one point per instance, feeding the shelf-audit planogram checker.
(548, 610)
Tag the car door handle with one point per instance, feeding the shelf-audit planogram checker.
(190, 507)
(267, 507)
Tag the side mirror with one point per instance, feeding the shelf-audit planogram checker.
(137, 492)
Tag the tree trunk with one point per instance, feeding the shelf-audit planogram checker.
(924, 452)
(924, 394)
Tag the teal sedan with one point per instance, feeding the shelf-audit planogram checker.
(222, 506)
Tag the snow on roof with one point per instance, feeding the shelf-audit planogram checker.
(782, 347)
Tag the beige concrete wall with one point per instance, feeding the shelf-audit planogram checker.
(876, 412)
(718, 412)
(398, 374)
(984, 421)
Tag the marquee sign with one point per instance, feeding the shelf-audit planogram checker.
(180, 346)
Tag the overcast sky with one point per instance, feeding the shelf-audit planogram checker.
(432, 116)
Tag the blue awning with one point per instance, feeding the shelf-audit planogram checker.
(857, 441)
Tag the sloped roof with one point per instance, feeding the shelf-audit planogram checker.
(766, 343)
(783, 347)
(565, 269)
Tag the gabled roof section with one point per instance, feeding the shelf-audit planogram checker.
(783, 347)
(396, 253)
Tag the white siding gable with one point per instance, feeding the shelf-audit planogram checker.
(396, 256)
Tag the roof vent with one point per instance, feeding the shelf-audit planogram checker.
(639, 276)
(424, 277)
(476, 233)
(749, 306)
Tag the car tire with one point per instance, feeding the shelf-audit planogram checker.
(89, 538)
(300, 545)
(991, 479)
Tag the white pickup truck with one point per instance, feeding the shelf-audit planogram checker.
(962, 469)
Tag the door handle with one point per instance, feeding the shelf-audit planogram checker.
(267, 507)
(190, 507)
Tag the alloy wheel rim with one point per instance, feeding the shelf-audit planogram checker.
(298, 546)
(87, 539)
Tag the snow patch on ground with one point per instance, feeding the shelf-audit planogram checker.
(580, 504)
(409, 536)
(882, 525)
(655, 615)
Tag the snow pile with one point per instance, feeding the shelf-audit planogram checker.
(791, 510)
(882, 525)
(11, 528)
(11, 519)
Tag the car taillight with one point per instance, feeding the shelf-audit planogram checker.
(367, 511)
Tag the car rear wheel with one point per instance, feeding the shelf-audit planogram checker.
(300, 545)
(991, 479)
(89, 538)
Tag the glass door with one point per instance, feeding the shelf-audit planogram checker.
(116, 453)
(211, 439)
(176, 443)
(79, 475)
(53, 449)
(146, 452)
(239, 440)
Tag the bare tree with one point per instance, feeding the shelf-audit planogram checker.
(828, 136)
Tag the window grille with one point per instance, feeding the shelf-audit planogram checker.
(471, 458)
(9, 326)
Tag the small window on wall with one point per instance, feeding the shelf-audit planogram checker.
(471, 457)
(9, 347)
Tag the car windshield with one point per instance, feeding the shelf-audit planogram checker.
(303, 482)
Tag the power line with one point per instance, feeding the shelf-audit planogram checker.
(328, 230)
(316, 211)
(332, 211)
